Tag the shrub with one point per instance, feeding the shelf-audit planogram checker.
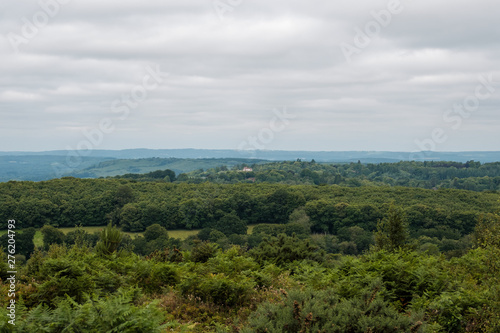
(155, 231)
(116, 313)
(231, 224)
(204, 234)
(162, 275)
(62, 277)
(218, 289)
(51, 236)
(203, 251)
(80, 237)
(166, 255)
(232, 262)
(109, 241)
(324, 311)
(284, 249)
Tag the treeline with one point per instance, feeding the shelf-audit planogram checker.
(158, 175)
(340, 219)
(136, 205)
(471, 175)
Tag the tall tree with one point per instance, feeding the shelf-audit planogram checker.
(392, 231)
(51, 235)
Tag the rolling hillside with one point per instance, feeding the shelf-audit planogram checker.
(37, 166)
(139, 166)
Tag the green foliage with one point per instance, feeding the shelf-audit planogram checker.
(153, 276)
(269, 229)
(112, 314)
(158, 175)
(218, 289)
(204, 234)
(93, 202)
(328, 216)
(81, 238)
(203, 251)
(62, 278)
(296, 269)
(236, 239)
(154, 232)
(216, 235)
(166, 255)
(392, 231)
(357, 236)
(328, 243)
(378, 291)
(231, 224)
(130, 218)
(24, 241)
(281, 204)
(109, 242)
(324, 311)
(123, 195)
(285, 249)
(468, 176)
(51, 236)
(297, 228)
(164, 275)
(232, 262)
(300, 219)
(4, 267)
(487, 231)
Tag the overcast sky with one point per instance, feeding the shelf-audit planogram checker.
(342, 75)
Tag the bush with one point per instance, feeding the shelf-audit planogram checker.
(81, 237)
(284, 249)
(155, 231)
(203, 251)
(116, 313)
(140, 245)
(324, 311)
(109, 241)
(51, 236)
(166, 255)
(218, 289)
(155, 276)
(232, 262)
(62, 277)
(237, 239)
(204, 234)
(231, 224)
(4, 267)
(216, 235)
(24, 243)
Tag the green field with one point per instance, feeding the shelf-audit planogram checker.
(180, 233)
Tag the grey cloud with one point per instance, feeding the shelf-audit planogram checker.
(226, 76)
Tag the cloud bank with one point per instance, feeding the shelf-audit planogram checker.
(364, 75)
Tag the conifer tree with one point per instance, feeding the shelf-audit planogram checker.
(110, 240)
(392, 231)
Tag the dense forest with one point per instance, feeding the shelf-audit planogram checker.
(325, 254)
(470, 175)
(135, 205)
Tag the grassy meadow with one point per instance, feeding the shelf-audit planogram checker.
(180, 233)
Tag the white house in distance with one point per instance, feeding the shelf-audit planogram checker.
(247, 169)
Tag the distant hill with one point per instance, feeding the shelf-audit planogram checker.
(38, 166)
(282, 155)
(144, 165)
